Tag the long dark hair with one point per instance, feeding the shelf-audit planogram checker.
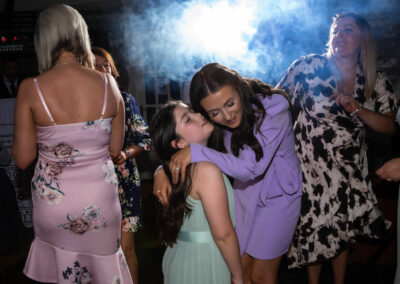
(214, 76)
(162, 132)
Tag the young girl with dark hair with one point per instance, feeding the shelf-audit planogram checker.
(197, 224)
(256, 148)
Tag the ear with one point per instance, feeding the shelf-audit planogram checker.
(178, 143)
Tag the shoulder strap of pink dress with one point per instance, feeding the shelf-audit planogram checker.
(105, 96)
(43, 102)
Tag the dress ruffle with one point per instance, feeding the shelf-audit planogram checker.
(50, 264)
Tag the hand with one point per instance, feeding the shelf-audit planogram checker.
(179, 161)
(121, 158)
(348, 103)
(161, 187)
(236, 280)
(390, 170)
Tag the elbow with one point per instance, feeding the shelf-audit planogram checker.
(223, 237)
(22, 162)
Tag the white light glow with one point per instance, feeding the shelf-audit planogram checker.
(221, 29)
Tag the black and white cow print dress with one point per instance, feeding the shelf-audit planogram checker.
(338, 203)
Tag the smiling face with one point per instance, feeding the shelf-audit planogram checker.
(345, 38)
(102, 65)
(191, 127)
(224, 107)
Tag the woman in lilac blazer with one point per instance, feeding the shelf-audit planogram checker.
(254, 144)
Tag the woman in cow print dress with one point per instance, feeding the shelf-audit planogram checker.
(335, 100)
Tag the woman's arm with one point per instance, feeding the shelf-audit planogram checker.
(161, 186)
(276, 126)
(118, 123)
(24, 144)
(137, 132)
(381, 118)
(380, 122)
(213, 196)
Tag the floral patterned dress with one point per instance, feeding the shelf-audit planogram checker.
(338, 203)
(76, 211)
(136, 132)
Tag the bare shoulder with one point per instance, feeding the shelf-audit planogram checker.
(204, 170)
(25, 89)
(27, 83)
(206, 176)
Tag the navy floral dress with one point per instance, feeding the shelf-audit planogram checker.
(136, 132)
(338, 203)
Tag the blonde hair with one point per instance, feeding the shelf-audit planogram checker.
(107, 56)
(367, 50)
(61, 28)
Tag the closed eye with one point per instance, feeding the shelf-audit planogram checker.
(213, 114)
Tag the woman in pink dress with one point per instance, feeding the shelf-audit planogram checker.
(74, 116)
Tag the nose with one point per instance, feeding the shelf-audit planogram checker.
(339, 33)
(198, 116)
(226, 114)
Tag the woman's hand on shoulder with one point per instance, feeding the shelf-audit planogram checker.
(179, 161)
(161, 187)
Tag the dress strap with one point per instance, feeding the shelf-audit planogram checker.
(43, 102)
(105, 96)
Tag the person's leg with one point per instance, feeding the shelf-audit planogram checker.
(313, 272)
(261, 271)
(339, 264)
(247, 262)
(128, 247)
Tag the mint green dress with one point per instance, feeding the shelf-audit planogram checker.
(195, 258)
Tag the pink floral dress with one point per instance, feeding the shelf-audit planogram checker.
(76, 210)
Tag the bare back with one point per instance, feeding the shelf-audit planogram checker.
(72, 93)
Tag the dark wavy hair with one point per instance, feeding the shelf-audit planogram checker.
(162, 132)
(214, 76)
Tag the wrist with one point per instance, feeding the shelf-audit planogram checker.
(127, 153)
(357, 110)
(158, 169)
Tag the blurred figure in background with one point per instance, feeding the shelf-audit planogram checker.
(137, 139)
(10, 81)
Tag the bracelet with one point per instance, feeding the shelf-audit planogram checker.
(158, 169)
(357, 110)
(127, 153)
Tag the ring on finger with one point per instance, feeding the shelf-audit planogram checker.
(177, 169)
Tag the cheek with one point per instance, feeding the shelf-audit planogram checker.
(217, 119)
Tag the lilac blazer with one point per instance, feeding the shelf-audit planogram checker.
(276, 174)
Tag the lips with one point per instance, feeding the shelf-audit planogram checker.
(232, 121)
